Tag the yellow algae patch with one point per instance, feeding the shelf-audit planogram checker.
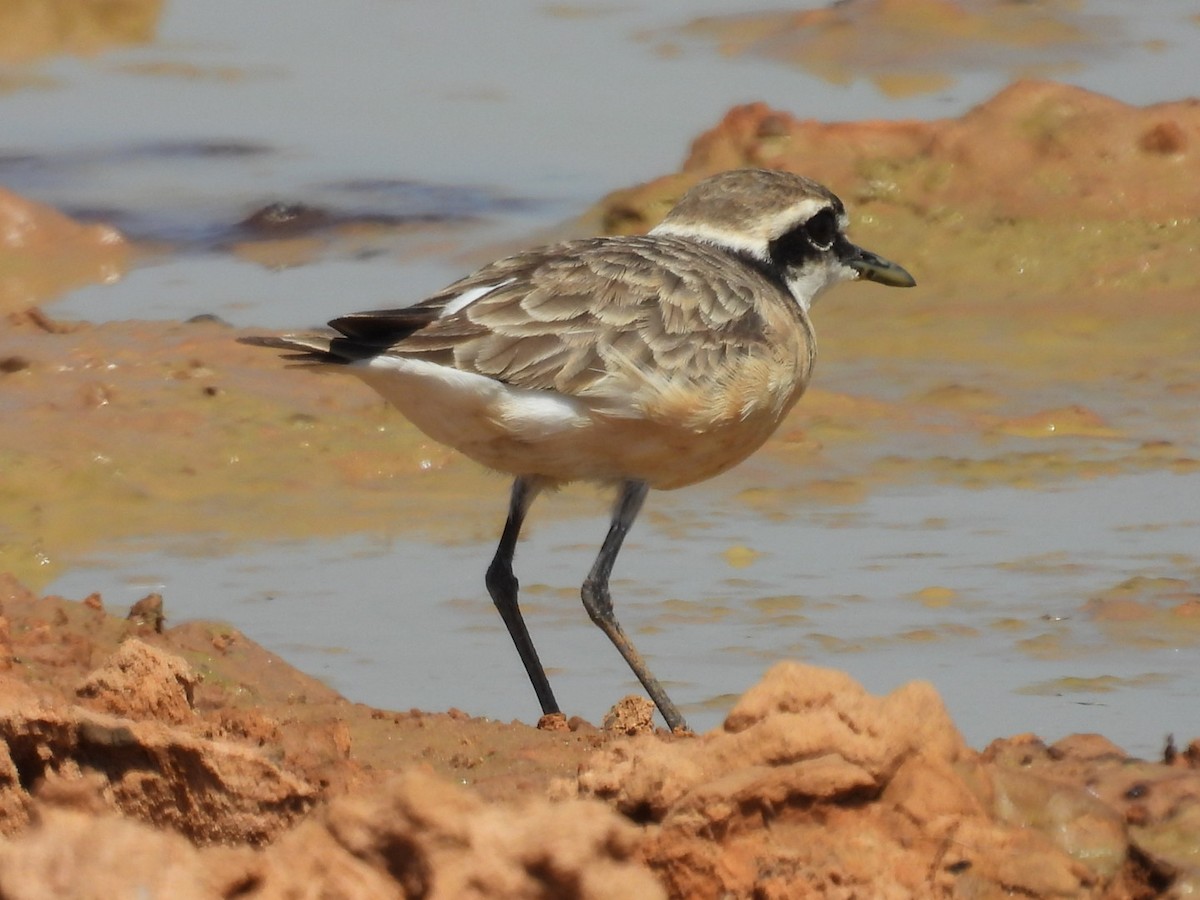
(926, 635)
(1008, 624)
(961, 397)
(1119, 610)
(35, 28)
(675, 610)
(843, 491)
(779, 504)
(953, 629)
(1099, 684)
(14, 80)
(935, 597)
(1044, 646)
(1141, 597)
(1149, 611)
(919, 636)
(902, 85)
(740, 557)
(1066, 421)
(826, 429)
(1141, 585)
(1019, 470)
(833, 415)
(834, 644)
(1056, 563)
(768, 502)
(782, 603)
(780, 611)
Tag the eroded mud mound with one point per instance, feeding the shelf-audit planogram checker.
(191, 763)
(816, 788)
(1060, 152)
(414, 836)
(1045, 184)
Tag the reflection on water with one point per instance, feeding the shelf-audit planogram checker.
(984, 593)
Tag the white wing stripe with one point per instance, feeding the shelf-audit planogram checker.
(466, 298)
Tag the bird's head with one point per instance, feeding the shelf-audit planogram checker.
(790, 225)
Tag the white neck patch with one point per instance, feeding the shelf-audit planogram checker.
(805, 286)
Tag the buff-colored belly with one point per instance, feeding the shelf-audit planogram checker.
(562, 439)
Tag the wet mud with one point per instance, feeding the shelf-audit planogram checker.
(191, 762)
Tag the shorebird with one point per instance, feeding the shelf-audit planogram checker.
(644, 361)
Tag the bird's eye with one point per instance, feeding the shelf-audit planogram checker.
(806, 241)
(822, 229)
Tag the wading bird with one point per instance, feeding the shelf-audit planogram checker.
(647, 361)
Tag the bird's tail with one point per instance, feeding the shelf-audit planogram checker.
(312, 348)
(353, 337)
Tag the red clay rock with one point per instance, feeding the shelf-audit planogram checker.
(72, 854)
(1156, 806)
(415, 836)
(435, 840)
(1082, 825)
(1095, 157)
(629, 716)
(815, 788)
(208, 790)
(141, 682)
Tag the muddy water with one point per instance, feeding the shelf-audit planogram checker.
(984, 592)
(1028, 547)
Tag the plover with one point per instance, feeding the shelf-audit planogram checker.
(643, 361)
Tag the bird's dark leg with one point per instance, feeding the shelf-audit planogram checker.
(502, 585)
(598, 602)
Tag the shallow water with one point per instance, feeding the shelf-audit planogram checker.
(533, 109)
(499, 121)
(981, 592)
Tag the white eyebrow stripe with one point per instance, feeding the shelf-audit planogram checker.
(719, 237)
(466, 298)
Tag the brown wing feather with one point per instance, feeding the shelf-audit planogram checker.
(580, 317)
(633, 324)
